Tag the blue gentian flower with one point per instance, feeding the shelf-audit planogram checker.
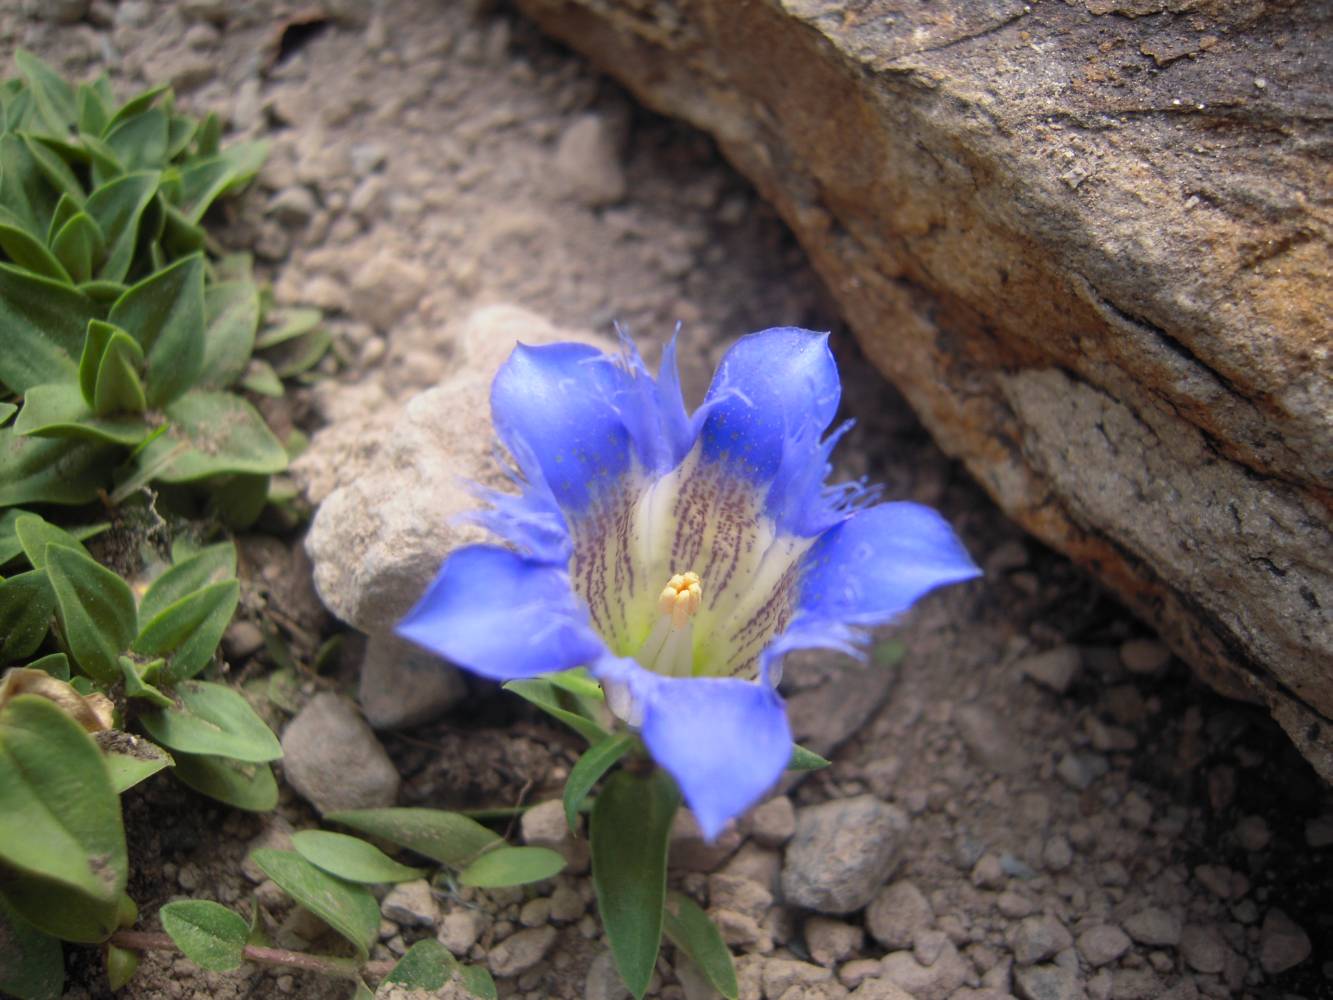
(679, 556)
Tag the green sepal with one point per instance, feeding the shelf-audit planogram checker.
(805, 760)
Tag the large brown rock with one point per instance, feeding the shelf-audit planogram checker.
(1089, 241)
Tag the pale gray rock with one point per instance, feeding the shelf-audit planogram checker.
(879, 988)
(1145, 656)
(459, 930)
(401, 685)
(391, 481)
(1102, 944)
(1054, 669)
(832, 941)
(896, 913)
(926, 982)
(411, 904)
(990, 740)
(1038, 938)
(841, 853)
(332, 758)
(1203, 948)
(781, 974)
(588, 162)
(1283, 944)
(544, 825)
(386, 287)
(1047, 982)
(520, 951)
(772, 823)
(1154, 926)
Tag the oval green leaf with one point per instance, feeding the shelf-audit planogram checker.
(427, 965)
(212, 719)
(506, 866)
(130, 759)
(32, 964)
(210, 935)
(349, 909)
(629, 828)
(190, 630)
(26, 604)
(242, 785)
(95, 608)
(692, 932)
(595, 762)
(194, 572)
(165, 314)
(51, 470)
(44, 323)
(213, 434)
(351, 858)
(58, 410)
(60, 826)
(446, 837)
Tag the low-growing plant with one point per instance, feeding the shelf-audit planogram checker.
(122, 337)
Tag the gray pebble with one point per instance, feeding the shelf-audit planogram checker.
(841, 853)
(1102, 944)
(897, 913)
(1203, 948)
(1144, 656)
(1038, 938)
(519, 952)
(1154, 926)
(332, 758)
(1282, 943)
(410, 904)
(1047, 982)
(1054, 669)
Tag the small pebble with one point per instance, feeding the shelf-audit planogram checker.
(1102, 944)
(1252, 833)
(1054, 669)
(1283, 944)
(1144, 656)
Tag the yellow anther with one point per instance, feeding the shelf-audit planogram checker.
(680, 598)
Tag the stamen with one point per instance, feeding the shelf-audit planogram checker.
(669, 648)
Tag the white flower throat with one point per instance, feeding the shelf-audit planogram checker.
(669, 648)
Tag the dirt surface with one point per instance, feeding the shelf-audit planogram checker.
(440, 156)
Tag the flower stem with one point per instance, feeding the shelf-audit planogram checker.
(343, 968)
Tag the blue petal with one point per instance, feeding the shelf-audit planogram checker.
(771, 387)
(725, 741)
(877, 563)
(653, 410)
(503, 616)
(554, 408)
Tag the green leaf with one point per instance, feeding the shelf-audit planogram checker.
(34, 533)
(507, 866)
(232, 309)
(136, 686)
(24, 191)
(349, 909)
(26, 605)
(7, 410)
(140, 141)
(292, 323)
(246, 159)
(121, 965)
(692, 932)
(595, 762)
(55, 664)
(137, 105)
(541, 693)
(805, 760)
(95, 608)
(237, 501)
(130, 759)
(212, 434)
(194, 572)
(427, 965)
(117, 388)
(478, 982)
(53, 95)
(43, 323)
(190, 630)
(300, 355)
(180, 131)
(92, 113)
(79, 246)
(32, 964)
(351, 858)
(209, 136)
(27, 251)
(261, 379)
(212, 719)
(118, 207)
(165, 314)
(201, 184)
(11, 546)
(50, 470)
(579, 683)
(248, 786)
(630, 824)
(446, 837)
(210, 935)
(58, 410)
(60, 830)
(53, 159)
